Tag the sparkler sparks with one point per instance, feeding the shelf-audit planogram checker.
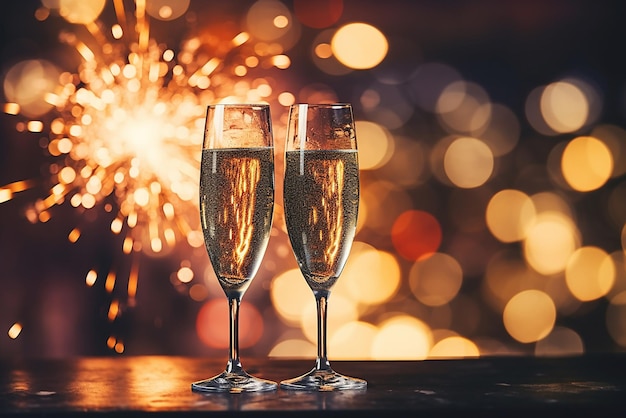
(127, 124)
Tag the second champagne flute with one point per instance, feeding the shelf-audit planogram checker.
(321, 196)
(236, 206)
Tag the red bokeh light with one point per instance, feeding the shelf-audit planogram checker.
(415, 233)
(212, 324)
(319, 13)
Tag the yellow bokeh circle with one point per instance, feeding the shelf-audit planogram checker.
(529, 316)
(586, 163)
(359, 46)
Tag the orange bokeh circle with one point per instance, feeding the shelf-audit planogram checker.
(318, 14)
(416, 233)
(212, 324)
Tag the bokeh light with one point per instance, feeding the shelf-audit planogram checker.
(564, 107)
(79, 11)
(416, 233)
(261, 23)
(318, 14)
(550, 241)
(560, 342)
(468, 162)
(508, 215)
(293, 348)
(454, 347)
(614, 137)
(341, 311)
(436, 280)
(371, 277)
(291, 295)
(375, 145)
(28, 84)
(590, 273)
(402, 337)
(342, 346)
(586, 163)
(212, 324)
(166, 9)
(529, 316)
(616, 319)
(359, 46)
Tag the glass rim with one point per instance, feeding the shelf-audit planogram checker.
(339, 105)
(236, 105)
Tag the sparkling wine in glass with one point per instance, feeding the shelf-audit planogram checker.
(321, 197)
(236, 207)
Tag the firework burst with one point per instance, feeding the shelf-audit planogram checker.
(126, 128)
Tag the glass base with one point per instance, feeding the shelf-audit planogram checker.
(323, 381)
(233, 383)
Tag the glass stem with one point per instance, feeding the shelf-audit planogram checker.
(234, 363)
(322, 363)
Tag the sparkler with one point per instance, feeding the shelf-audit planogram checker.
(128, 125)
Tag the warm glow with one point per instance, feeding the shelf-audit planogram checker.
(281, 21)
(80, 11)
(616, 319)
(341, 310)
(290, 296)
(27, 83)
(375, 145)
(529, 316)
(185, 274)
(359, 46)
(323, 50)
(464, 107)
(416, 233)
(561, 342)
(402, 337)
(166, 9)
(15, 330)
(590, 273)
(91, 277)
(318, 13)
(508, 215)
(262, 20)
(342, 346)
(436, 280)
(501, 132)
(468, 162)
(550, 241)
(587, 163)
(370, 277)
(564, 107)
(212, 324)
(292, 348)
(11, 108)
(454, 347)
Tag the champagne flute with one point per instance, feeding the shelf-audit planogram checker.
(236, 207)
(321, 197)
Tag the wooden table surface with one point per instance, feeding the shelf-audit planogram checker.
(593, 386)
